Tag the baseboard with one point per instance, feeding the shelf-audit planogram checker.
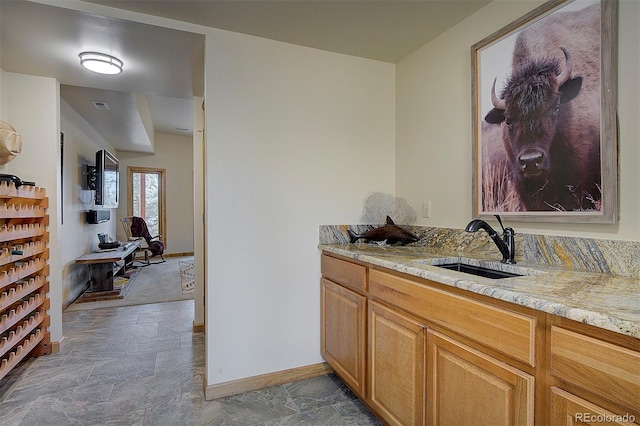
(56, 346)
(198, 327)
(264, 380)
(189, 253)
(74, 297)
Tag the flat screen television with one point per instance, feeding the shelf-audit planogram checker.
(107, 180)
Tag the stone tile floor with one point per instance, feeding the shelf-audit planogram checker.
(143, 365)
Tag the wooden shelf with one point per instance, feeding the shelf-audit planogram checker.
(24, 287)
(9, 190)
(19, 352)
(19, 232)
(21, 271)
(23, 309)
(28, 250)
(12, 211)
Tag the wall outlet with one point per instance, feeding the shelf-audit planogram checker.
(426, 209)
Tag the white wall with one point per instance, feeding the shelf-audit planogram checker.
(32, 109)
(175, 155)
(3, 99)
(78, 237)
(296, 138)
(434, 136)
(198, 209)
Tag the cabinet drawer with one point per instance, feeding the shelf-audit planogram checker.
(600, 367)
(508, 332)
(345, 273)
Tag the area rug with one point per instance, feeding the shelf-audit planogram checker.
(157, 283)
(187, 275)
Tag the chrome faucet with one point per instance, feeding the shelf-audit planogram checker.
(506, 244)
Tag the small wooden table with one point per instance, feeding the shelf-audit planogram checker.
(102, 268)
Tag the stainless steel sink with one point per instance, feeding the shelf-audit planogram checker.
(478, 270)
(480, 267)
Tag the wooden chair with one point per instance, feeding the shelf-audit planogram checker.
(144, 246)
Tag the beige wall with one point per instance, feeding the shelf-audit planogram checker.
(32, 108)
(198, 208)
(433, 145)
(296, 138)
(175, 155)
(77, 236)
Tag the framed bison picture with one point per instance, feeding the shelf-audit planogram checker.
(544, 118)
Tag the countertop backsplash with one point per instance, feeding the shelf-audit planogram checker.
(581, 254)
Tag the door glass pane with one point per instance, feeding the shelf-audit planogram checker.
(146, 199)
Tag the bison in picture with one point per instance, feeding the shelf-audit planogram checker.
(549, 113)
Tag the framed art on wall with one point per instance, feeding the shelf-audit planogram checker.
(544, 119)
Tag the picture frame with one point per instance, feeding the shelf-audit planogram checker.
(544, 97)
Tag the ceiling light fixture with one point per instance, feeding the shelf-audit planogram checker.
(101, 63)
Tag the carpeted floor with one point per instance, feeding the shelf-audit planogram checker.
(156, 283)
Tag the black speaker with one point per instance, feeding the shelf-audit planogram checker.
(97, 216)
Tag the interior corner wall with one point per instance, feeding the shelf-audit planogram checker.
(32, 108)
(295, 138)
(434, 125)
(3, 100)
(77, 236)
(198, 209)
(174, 154)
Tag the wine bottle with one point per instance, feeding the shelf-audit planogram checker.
(16, 180)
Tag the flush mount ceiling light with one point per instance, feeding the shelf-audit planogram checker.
(101, 63)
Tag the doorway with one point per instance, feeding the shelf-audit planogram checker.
(146, 198)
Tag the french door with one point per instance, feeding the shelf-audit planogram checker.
(146, 198)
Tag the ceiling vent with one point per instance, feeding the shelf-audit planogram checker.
(100, 105)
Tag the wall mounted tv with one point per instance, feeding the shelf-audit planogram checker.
(107, 180)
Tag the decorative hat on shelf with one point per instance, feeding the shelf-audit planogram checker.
(10, 143)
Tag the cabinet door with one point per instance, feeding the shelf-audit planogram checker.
(397, 366)
(567, 409)
(468, 387)
(343, 316)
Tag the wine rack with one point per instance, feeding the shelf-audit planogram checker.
(24, 303)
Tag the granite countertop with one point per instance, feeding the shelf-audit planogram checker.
(602, 300)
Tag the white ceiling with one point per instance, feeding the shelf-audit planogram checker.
(164, 68)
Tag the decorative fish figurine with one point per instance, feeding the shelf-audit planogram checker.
(391, 233)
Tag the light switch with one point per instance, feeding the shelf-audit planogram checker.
(426, 209)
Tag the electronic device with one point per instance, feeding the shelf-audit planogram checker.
(97, 216)
(107, 180)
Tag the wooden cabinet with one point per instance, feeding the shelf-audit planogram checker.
(443, 356)
(468, 387)
(568, 410)
(23, 275)
(606, 375)
(343, 332)
(396, 366)
(508, 332)
(343, 323)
